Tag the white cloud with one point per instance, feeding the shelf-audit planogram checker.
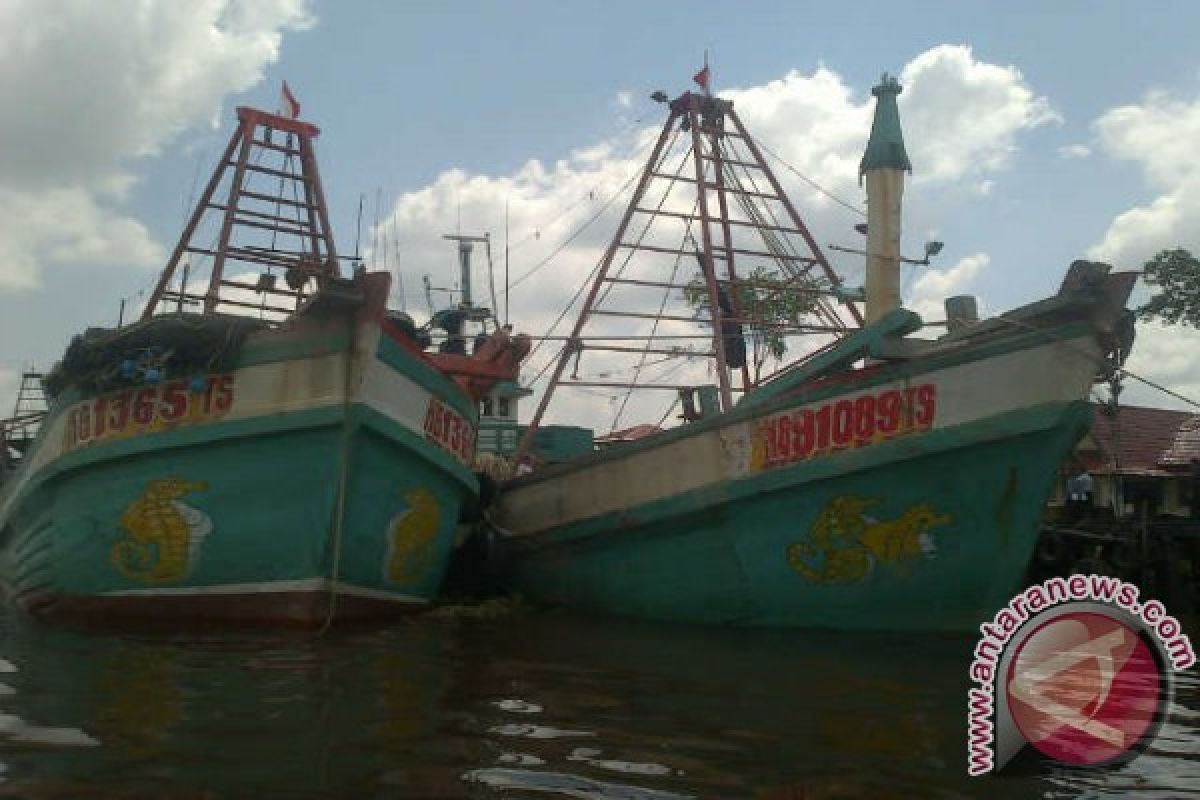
(1069, 151)
(65, 226)
(88, 88)
(1137, 234)
(1158, 136)
(935, 285)
(962, 116)
(625, 98)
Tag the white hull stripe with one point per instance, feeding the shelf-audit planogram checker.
(305, 585)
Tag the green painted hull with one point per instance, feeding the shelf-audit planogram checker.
(265, 536)
(937, 532)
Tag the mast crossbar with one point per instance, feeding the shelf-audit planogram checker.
(269, 199)
(739, 251)
(275, 173)
(739, 222)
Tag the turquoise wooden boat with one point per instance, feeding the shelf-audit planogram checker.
(885, 481)
(901, 495)
(306, 464)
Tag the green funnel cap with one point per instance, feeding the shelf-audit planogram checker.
(885, 148)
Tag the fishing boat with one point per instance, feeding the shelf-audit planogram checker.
(884, 480)
(267, 443)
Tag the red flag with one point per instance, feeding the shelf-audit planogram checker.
(701, 78)
(287, 103)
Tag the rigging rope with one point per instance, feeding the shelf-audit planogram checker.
(514, 284)
(578, 292)
(781, 247)
(649, 221)
(592, 219)
(810, 181)
(1103, 362)
(1161, 388)
(636, 157)
(585, 284)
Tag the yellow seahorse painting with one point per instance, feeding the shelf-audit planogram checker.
(162, 535)
(411, 535)
(844, 544)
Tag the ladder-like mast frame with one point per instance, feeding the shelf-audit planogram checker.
(700, 114)
(314, 227)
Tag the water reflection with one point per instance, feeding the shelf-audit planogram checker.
(542, 704)
(16, 731)
(565, 785)
(139, 698)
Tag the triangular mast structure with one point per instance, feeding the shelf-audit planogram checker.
(730, 219)
(259, 237)
(19, 430)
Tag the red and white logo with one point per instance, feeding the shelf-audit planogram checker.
(1079, 667)
(1085, 688)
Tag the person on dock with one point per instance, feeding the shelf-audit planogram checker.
(1079, 494)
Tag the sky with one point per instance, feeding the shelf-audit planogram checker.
(1039, 134)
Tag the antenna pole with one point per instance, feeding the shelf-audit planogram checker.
(465, 244)
(506, 260)
(399, 271)
(358, 226)
(487, 247)
(183, 279)
(375, 227)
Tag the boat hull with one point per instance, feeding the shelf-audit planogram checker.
(312, 493)
(924, 535)
(906, 498)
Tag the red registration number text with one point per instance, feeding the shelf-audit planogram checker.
(151, 408)
(840, 424)
(449, 431)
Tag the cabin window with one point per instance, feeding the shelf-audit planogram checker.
(487, 407)
(503, 406)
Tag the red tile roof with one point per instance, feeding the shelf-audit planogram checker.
(1134, 440)
(1186, 447)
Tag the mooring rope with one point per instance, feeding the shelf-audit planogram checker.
(339, 520)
